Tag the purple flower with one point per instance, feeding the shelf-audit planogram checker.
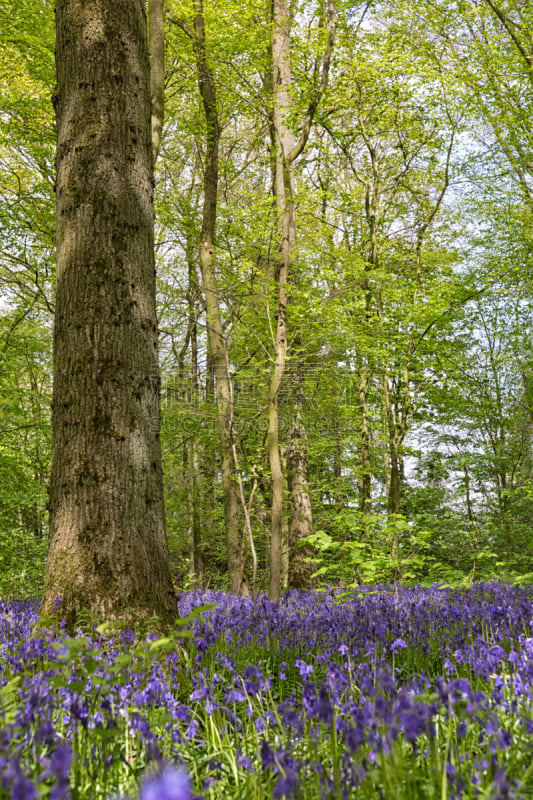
(244, 762)
(285, 787)
(235, 696)
(267, 756)
(398, 644)
(171, 784)
(324, 709)
(500, 785)
(59, 768)
(22, 788)
(304, 669)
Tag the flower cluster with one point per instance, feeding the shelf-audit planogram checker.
(389, 692)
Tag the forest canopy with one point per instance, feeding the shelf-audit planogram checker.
(343, 248)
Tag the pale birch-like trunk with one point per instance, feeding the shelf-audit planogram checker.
(286, 153)
(287, 227)
(156, 38)
(191, 397)
(195, 497)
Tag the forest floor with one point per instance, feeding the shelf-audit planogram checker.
(388, 692)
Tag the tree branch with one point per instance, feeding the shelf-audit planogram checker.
(511, 29)
(319, 91)
(181, 23)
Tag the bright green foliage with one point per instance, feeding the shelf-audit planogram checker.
(409, 309)
(25, 391)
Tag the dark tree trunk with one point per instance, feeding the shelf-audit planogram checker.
(108, 549)
(394, 493)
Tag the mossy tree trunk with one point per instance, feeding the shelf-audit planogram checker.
(108, 550)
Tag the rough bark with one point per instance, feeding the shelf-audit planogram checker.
(108, 550)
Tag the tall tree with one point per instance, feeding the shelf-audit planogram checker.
(286, 153)
(108, 550)
(215, 332)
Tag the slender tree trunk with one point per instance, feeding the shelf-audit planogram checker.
(396, 435)
(286, 154)
(469, 507)
(394, 496)
(285, 554)
(215, 333)
(108, 549)
(338, 491)
(300, 566)
(209, 458)
(301, 518)
(191, 445)
(287, 226)
(196, 484)
(184, 399)
(365, 492)
(156, 20)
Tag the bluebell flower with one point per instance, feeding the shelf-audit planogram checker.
(398, 644)
(244, 762)
(267, 756)
(235, 696)
(171, 784)
(286, 786)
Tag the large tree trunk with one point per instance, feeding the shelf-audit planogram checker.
(108, 549)
(394, 493)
